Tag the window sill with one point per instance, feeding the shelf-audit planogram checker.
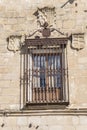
(45, 106)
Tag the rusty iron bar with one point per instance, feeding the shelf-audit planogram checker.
(44, 70)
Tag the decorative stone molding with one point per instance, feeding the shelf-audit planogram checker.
(46, 21)
(15, 42)
(73, 112)
(78, 41)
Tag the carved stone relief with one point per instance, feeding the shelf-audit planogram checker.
(46, 20)
(78, 41)
(46, 14)
(15, 43)
(46, 24)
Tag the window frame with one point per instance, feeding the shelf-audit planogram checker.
(45, 105)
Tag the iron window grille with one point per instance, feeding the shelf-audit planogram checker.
(44, 73)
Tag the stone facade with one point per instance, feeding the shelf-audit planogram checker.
(56, 122)
(17, 20)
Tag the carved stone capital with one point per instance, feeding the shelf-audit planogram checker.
(15, 43)
(78, 41)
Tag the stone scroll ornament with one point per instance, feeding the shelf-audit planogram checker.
(78, 41)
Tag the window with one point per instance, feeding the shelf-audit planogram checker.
(44, 74)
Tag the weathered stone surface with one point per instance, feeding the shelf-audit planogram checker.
(56, 127)
(22, 121)
(17, 19)
(81, 127)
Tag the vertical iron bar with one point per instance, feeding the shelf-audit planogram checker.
(59, 73)
(33, 76)
(63, 73)
(67, 78)
(26, 74)
(24, 99)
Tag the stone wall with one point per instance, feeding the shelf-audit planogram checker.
(44, 123)
(17, 19)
